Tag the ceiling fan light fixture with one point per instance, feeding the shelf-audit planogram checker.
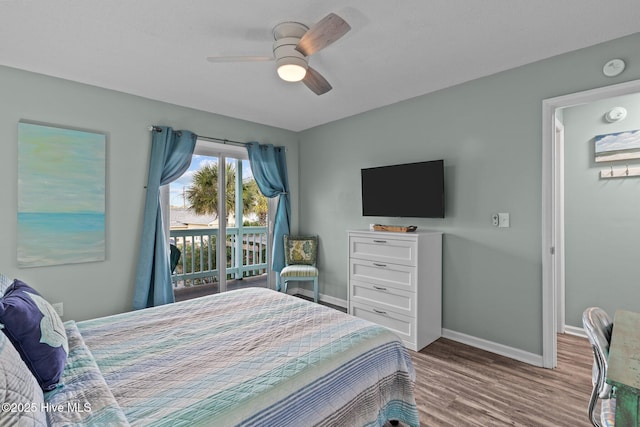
(291, 69)
(293, 44)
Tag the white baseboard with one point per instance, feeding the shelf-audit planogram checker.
(503, 350)
(322, 297)
(574, 330)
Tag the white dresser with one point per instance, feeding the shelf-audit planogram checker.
(395, 280)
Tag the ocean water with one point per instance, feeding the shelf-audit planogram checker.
(60, 238)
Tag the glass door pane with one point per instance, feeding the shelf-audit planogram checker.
(246, 228)
(194, 229)
(218, 224)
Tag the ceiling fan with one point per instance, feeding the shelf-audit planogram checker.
(294, 43)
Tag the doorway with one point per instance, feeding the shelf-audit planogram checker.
(218, 223)
(552, 211)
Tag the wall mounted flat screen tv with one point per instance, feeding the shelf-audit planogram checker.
(407, 190)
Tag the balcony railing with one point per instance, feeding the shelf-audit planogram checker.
(246, 254)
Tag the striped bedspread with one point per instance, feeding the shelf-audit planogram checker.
(84, 398)
(252, 357)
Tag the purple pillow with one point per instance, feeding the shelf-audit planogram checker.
(36, 331)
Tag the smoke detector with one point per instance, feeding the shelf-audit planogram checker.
(615, 115)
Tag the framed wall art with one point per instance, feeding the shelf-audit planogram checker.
(618, 146)
(61, 195)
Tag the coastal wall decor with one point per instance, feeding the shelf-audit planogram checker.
(61, 195)
(618, 146)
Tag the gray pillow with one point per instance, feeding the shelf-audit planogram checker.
(21, 393)
(5, 282)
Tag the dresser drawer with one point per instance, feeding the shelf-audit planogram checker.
(384, 249)
(387, 298)
(403, 326)
(384, 274)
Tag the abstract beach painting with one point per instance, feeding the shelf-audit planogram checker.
(618, 146)
(61, 195)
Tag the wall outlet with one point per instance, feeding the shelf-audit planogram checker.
(495, 220)
(58, 308)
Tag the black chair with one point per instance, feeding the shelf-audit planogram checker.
(174, 257)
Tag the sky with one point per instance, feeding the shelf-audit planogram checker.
(179, 186)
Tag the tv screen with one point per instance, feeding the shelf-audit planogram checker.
(407, 190)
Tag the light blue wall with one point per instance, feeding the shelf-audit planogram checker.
(101, 288)
(489, 133)
(602, 227)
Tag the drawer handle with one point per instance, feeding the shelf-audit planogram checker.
(379, 241)
(379, 311)
(380, 288)
(377, 264)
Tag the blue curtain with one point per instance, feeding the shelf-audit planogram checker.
(171, 153)
(269, 166)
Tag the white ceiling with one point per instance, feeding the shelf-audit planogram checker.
(396, 49)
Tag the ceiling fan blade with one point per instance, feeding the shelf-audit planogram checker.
(316, 82)
(326, 31)
(220, 59)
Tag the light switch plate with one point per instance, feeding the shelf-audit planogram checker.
(503, 220)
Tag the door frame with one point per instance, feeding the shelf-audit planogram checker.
(552, 178)
(558, 226)
(222, 152)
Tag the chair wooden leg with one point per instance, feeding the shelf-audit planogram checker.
(284, 286)
(315, 289)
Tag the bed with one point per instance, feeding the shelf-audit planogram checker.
(251, 357)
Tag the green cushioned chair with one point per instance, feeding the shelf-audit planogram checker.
(300, 253)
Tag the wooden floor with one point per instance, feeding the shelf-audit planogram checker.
(458, 385)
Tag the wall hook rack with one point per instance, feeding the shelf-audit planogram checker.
(621, 172)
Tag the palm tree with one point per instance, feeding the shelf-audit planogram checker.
(203, 192)
(258, 202)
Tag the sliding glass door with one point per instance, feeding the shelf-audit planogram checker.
(218, 224)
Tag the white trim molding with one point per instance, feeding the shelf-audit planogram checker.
(492, 347)
(574, 330)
